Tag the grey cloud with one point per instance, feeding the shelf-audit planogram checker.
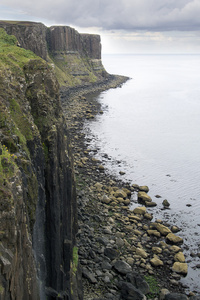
(152, 15)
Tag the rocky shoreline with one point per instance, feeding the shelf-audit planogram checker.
(122, 253)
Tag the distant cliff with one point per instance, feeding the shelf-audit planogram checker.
(76, 57)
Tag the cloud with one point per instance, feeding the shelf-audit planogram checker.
(148, 15)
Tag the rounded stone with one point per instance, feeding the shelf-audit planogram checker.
(174, 239)
(153, 232)
(140, 210)
(165, 203)
(120, 194)
(161, 228)
(141, 252)
(156, 250)
(179, 257)
(142, 196)
(122, 267)
(144, 188)
(156, 262)
(180, 268)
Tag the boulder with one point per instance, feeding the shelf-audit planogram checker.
(127, 201)
(196, 297)
(143, 197)
(127, 191)
(179, 257)
(120, 194)
(175, 296)
(122, 267)
(101, 168)
(119, 242)
(153, 232)
(137, 232)
(163, 293)
(134, 218)
(140, 210)
(111, 253)
(156, 250)
(165, 203)
(144, 188)
(148, 216)
(161, 228)
(156, 262)
(141, 252)
(105, 265)
(89, 275)
(137, 281)
(98, 186)
(106, 199)
(129, 292)
(175, 229)
(180, 268)
(175, 248)
(174, 239)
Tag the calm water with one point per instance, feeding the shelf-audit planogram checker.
(151, 126)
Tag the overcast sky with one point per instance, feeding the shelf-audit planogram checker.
(125, 26)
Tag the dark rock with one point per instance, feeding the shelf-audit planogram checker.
(122, 267)
(165, 203)
(111, 253)
(92, 254)
(102, 240)
(138, 282)
(196, 297)
(105, 265)
(175, 296)
(129, 292)
(89, 275)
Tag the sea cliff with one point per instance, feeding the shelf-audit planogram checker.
(38, 207)
(65, 225)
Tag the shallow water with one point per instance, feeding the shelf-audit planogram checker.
(150, 130)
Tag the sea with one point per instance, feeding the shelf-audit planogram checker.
(150, 130)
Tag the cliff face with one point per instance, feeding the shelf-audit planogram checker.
(30, 35)
(76, 57)
(38, 219)
(67, 39)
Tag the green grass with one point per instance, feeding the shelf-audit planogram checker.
(20, 119)
(75, 259)
(8, 165)
(153, 286)
(11, 55)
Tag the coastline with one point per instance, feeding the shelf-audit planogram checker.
(106, 224)
(111, 81)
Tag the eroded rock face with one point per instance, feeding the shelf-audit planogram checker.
(30, 35)
(92, 45)
(64, 38)
(37, 191)
(35, 36)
